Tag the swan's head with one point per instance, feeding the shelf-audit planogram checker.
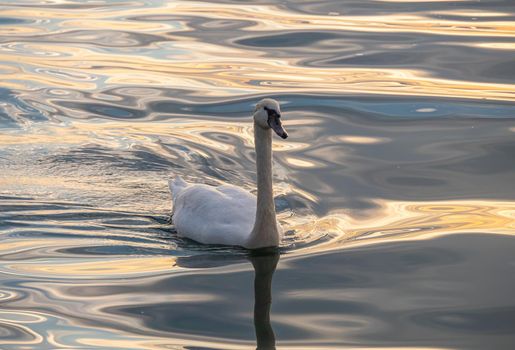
(268, 116)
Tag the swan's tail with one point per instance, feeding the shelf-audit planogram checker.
(177, 184)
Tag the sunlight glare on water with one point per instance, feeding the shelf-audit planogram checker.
(395, 186)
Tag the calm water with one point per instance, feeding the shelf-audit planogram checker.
(396, 185)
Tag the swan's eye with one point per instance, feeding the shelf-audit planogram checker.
(271, 112)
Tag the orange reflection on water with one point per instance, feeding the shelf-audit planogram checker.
(492, 45)
(361, 140)
(122, 134)
(77, 269)
(216, 79)
(411, 220)
(180, 342)
(225, 69)
(302, 163)
(16, 246)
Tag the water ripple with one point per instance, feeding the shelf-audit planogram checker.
(395, 186)
(298, 52)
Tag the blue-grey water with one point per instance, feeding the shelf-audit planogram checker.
(396, 185)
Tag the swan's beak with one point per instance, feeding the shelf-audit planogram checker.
(274, 121)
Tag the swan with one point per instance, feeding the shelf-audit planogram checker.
(227, 214)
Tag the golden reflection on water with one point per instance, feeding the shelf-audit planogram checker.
(95, 268)
(497, 46)
(392, 221)
(364, 140)
(179, 61)
(215, 81)
(302, 163)
(110, 134)
(14, 246)
(413, 221)
(75, 55)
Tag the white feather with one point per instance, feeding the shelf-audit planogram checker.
(213, 215)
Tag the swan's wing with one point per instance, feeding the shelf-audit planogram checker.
(214, 215)
(235, 192)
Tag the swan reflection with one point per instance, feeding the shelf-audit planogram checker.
(265, 263)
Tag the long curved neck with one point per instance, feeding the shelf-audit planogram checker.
(264, 233)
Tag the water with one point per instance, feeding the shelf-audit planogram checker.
(395, 186)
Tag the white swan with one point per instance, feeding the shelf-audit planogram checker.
(227, 214)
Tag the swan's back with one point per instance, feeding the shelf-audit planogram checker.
(213, 215)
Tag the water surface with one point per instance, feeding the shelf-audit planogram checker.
(395, 185)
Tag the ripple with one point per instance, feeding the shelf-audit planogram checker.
(395, 184)
(11, 20)
(15, 334)
(7, 295)
(297, 51)
(493, 321)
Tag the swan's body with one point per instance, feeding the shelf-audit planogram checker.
(227, 214)
(213, 215)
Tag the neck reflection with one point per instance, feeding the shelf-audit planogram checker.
(264, 262)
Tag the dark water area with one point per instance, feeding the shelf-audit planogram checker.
(395, 186)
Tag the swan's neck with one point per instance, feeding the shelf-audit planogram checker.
(265, 232)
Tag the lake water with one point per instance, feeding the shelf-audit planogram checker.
(396, 185)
